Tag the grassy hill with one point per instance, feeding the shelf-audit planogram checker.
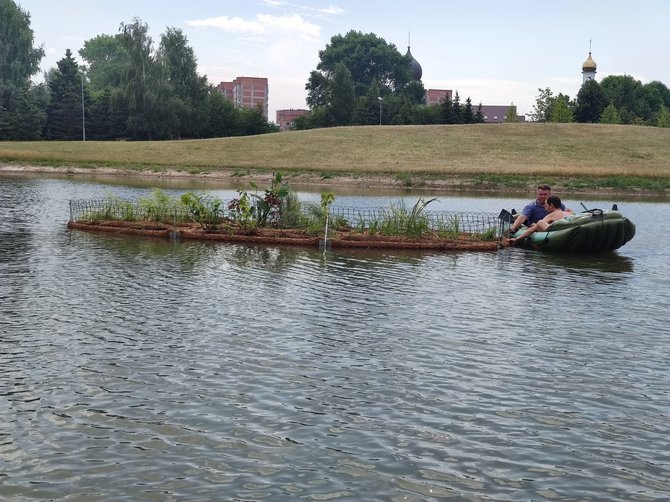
(592, 154)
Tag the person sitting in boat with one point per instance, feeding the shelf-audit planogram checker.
(553, 207)
(534, 211)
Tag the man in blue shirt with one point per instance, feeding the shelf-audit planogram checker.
(534, 211)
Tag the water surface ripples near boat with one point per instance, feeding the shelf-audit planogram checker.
(140, 369)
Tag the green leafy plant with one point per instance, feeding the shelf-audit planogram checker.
(268, 205)
(242, 211)
(204, 210)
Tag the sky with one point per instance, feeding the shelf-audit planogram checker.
(495, 52)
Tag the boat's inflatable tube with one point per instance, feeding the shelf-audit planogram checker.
(588, 232)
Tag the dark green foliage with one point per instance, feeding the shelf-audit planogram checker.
(64, 112)
(479, 116)
(19, 60)
(268, 205)
(467, 115)
(341, 96)
(222, 116)
(205, 210)
(185, 88)
(590, 102)
(369, 59)
(448, 114)
(21, 103)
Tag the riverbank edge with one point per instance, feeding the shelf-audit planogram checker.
(452, 183)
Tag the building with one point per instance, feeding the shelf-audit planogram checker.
(495, 114)
(437, 96)
(286, 118)
(226, 88)
(248, 92)
(588, 69)
(414, 66)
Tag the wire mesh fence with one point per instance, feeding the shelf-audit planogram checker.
(458, 221)
(117, 209)
(340, 217)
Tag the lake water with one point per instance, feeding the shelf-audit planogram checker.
(139, 369)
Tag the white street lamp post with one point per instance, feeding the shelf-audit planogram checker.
(83, 116)
(380, 109)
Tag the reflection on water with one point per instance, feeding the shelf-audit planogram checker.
(582, 264)
(138, 369)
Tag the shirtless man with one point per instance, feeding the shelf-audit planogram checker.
(554, 213)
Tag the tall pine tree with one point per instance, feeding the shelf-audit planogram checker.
(64, 113)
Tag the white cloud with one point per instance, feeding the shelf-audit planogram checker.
(332, 9)
(230, 24)
(264, 24)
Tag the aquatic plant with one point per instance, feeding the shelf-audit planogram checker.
(205, 210)
(160, 207)
(411, 223)
(268, 206)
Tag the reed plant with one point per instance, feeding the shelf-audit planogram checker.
(115, 208)
(409, 222)
(160, 207)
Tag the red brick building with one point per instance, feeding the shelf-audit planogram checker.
(285, 118)
(437, 96)
(248, 92)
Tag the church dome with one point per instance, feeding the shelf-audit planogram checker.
(414, 66)
(589, 64)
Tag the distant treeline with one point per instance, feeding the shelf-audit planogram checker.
(618, 99)
(126, 89)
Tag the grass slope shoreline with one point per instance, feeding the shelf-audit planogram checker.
(579, 158)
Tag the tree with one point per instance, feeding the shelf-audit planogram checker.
(468, 115)
(561, 111)
(178, 69)
(366, 111)
(21, 116)
(590, 102)
(621, 90)
(479, 116)
(369, 59)
(253, 121)
(140, 82)
(107, 60)
(64, 113)
(222, 119)
(415, 92)
(457, 109)
(610, 115)
(19, 60)
(511, 115)
(407, 114)
(542, 107)
(663, 117)
(24, 118)
(341, 96)
(447, 115)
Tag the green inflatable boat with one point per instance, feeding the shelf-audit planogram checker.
(592, 231)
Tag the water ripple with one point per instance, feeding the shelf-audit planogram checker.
(143, 369)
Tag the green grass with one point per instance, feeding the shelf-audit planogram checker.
(479, 156)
